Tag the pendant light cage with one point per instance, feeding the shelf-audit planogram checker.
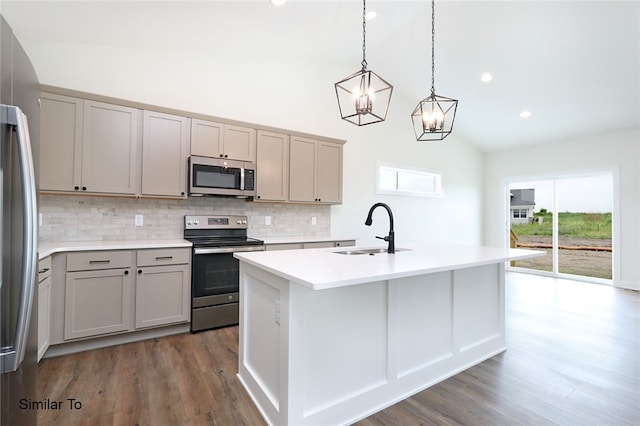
(364, 96)
(433, 117)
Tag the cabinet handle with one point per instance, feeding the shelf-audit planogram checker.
(164, 257)
(77, 188)
(84, 188)
(258, 197)
(91, 262)
(221, 155)
(42, 271)
(139, 271)
(126, 272)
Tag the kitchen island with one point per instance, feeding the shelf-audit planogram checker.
(329, 337)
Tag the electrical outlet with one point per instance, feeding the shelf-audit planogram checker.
(39, 219)
(267, 220)
(313, 220)
(138, 220)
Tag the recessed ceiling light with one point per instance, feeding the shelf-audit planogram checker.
(525, 114)
(370, 15)
(278, 2)
(486, 77)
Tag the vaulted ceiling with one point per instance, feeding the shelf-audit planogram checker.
(575, 65)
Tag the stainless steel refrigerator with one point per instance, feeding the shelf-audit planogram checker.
(19, 135)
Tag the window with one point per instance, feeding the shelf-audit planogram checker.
(519, 213)
(392, 180)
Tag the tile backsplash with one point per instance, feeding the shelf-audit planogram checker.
(87, 218)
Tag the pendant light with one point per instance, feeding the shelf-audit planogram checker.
(363, 97)
(433, 116)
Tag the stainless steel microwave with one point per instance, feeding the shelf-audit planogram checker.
(219, 176)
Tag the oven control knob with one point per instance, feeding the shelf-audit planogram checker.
(189, 223)
(239, 222)
(244, 222)
(195, 222)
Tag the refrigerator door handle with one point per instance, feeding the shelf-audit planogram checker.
(12, 357)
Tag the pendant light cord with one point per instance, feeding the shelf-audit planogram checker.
(433, 43)
(364, 35)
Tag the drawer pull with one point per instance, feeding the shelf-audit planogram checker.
(93, 262)
(164, 257)
(42, 271)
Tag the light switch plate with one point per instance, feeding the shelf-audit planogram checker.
(267, 220)
(313, 220)
(138, 220)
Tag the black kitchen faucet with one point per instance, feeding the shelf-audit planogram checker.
(390, 238)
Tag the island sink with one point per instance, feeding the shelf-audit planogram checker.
(368, 251)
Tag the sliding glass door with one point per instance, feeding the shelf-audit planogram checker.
(568, 217)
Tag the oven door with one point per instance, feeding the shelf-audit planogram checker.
(215, 273)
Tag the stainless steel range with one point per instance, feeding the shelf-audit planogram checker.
(214, 270)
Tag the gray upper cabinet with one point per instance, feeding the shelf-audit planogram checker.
(165, 148)
(110, 148)
(315, 171)
(211, 139)
(88, 146)
(61, 143)
(272, 167)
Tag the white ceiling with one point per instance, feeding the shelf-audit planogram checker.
(574, 64)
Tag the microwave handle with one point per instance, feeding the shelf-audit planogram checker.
(242, 178)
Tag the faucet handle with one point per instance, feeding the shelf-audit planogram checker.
(383, 238)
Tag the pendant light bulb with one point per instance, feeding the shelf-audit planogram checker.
(433, 120)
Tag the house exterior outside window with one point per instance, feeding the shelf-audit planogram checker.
(522, 206)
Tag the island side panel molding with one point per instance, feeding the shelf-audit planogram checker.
(343, 340)
(263, 351)
(422, 322)
(479, 314)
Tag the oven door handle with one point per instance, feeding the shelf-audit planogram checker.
(216, 250)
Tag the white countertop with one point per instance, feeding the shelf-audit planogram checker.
(320, 269)
(49, 248)
(305, 239)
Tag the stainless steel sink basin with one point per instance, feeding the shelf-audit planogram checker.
(367, 251)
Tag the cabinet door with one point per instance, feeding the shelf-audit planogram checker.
(302, 169)
(44, 313)
(164, 154)
(110, 148)
(97, 302)
(163, 295)
(239, 143)
(329, 173)
(60, 143)
(206, 138)
(272, 166)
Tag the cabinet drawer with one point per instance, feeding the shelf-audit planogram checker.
(44, 268)
(92, 260)
(158, 257)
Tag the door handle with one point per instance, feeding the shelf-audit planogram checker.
(12, 356)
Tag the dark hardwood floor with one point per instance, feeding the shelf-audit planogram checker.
(573, 359)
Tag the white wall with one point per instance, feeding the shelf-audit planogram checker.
(618, 152)
(293, 93)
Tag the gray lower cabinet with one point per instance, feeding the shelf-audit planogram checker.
(44, 305)
(97, 302)
(163, 287)
(98, 293)
(105, 294)
(310, 245)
